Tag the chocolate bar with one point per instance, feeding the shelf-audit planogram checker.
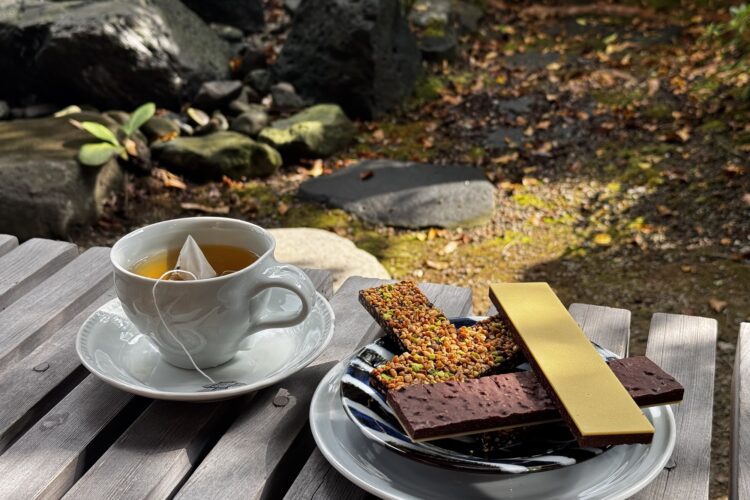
(595, 405)
(435, 350)
(469, 352)
(513, 399)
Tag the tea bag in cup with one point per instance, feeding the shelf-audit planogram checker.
(192, 260)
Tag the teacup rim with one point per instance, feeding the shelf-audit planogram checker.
(131, 274)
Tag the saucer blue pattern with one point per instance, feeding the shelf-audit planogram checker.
(535, 449)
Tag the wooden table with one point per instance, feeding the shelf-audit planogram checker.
(63, 432)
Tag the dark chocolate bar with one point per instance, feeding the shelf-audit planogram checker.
(512, 399)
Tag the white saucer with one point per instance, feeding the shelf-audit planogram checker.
(112, 348)
(618, 473)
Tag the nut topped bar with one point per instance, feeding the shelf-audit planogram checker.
(435, 350)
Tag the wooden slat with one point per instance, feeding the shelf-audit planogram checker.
(24, 267)
(685, 347)
(7, 243)
(153, 456)
(29, 387)
(49, 457)
(607, 326)
(318, 479)
(36, 316)
(739, 485)
(247, 454)
(157, 470)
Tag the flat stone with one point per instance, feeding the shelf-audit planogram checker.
(158, 127)
(260, 79)
(406, 194)
(503, 137)
(439, 48)
(316, 132)
(44, 191)
(252, 121)
(285, 98)
(212, 156)
(517, 106)
(319, 249)
(217, 94)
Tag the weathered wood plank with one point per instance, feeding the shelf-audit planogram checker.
(739, 483)
(607, 326)
(31, 386)
(36, 316)
(155, 455)
(685, 347)
(318, 479)
(24, 267)
(50, 456)
(247, 454)
(323, 281)
(7, 243)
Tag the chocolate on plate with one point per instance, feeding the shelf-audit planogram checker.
(592, 401)
(512, 399)
(435, 350)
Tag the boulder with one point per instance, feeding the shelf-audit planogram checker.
(406, 194)
(246, 15)
(316, 132)
(360, 55)
(252, 121)
(44, 191)
(211, 156)
(319, 249)
(217, 94)
(260, 79)
(430, 13)
(158, 127)
(114, 53)
(285, 98)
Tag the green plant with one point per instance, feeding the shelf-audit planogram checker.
(95, 154)
(736, 31)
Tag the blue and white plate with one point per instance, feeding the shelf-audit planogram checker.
(533, 449)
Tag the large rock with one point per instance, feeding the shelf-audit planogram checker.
(44, 191)
(244, 14)
(360, 55)
(112, 53)
(221, 153)
(319, 249)
(406, 194)
(316, 132)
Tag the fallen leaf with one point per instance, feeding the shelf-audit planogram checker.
(603, 239)
(684, 134)
(732, 169)
(746, 198)
(282, 208)
(432, 234)
(131, 147)
(169, 179)
(204, 208)
(725, 241)
(686, 269)
(317, 168)
(366, 174)
(450, 247)
(653, 86)
(378, 135)
(505, 159)
(663, 210)
(436, 265)
(717, 305)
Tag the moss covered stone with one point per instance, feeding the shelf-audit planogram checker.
(212, 156)
(316, 132)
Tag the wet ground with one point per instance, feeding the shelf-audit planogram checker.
(619, 149)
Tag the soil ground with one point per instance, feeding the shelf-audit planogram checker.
(619, 149)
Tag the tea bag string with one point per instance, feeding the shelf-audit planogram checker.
(161, 318)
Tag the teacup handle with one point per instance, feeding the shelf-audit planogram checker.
(290, 278)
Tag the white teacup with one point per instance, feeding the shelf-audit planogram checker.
(210, 317)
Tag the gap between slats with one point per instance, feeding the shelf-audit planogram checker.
(739, 483)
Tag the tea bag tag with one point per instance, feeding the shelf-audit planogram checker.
(191, 259)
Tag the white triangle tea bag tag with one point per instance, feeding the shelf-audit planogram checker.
(191, 259)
